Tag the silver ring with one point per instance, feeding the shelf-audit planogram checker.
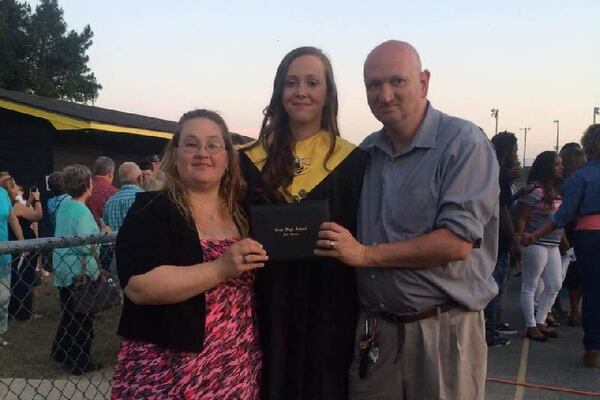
(244, 259)
(331, 244)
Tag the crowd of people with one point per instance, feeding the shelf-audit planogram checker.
(404, 292)
(80, 203)
(548, 262)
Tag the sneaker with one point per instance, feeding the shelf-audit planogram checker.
(505, 329)
(498, 341)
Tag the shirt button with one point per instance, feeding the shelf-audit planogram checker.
(381, 305)
(372, 276)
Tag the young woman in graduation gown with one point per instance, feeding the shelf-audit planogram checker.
(307, 310)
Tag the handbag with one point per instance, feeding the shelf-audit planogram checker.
(92, 296)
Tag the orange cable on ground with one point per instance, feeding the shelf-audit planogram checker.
(544, 387)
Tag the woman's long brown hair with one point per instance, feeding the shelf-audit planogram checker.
(542, 172)
(275, 135)
(232, 188)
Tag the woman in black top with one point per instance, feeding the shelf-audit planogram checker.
(307, 309)
(24, 275)
(187, 322)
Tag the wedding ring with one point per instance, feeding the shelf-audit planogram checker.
(331, 244)
(243, 259)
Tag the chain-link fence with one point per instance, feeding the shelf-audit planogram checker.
(51, 346)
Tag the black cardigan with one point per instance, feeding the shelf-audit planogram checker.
(155, 233)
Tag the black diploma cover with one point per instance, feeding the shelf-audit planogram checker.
(288, 231)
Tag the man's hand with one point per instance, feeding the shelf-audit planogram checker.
(337, 242)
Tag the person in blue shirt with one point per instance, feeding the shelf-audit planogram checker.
(581, 202)
(72, 345)
(7, 217)
(115, 210)
(57, 188)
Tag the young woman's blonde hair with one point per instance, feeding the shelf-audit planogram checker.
(232, 188)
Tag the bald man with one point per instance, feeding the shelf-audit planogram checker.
(115, 210)
(427, 241)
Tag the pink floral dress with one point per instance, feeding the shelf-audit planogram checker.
(227, 368)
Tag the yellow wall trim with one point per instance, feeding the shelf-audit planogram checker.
(64, 123)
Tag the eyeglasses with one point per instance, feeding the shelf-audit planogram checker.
(194, 148)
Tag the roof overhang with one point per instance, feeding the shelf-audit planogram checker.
(66, 123)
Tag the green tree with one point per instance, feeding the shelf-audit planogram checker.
(39, 55)
(14, 44)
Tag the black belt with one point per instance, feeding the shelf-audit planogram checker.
(408, 318)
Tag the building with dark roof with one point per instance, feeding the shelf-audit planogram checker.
(39, 135)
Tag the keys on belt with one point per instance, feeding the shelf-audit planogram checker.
(368, 346)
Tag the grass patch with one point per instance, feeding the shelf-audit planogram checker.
(28, 355)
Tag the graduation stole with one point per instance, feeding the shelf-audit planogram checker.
(309, 155)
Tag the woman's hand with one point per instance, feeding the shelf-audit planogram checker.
(245, 255)
(525, 238)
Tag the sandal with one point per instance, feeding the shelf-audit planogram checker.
(536, 335)
(551, 321)
(549, 333)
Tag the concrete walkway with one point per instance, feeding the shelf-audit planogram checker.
(89, 386)
(556, 363)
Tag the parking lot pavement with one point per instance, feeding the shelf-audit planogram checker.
(554, 364)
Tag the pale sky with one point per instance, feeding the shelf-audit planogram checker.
(536, 61)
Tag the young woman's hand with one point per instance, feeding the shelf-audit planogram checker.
(525, 238)
(242, 256)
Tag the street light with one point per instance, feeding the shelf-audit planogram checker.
(557, 122)
(495, 115)
(525, 130)
(596, 112)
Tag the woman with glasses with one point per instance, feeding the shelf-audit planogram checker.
(307, 309)
(187, 271)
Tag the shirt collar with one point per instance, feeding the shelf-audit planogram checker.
(130, 186)
(102, 180)
(425, 138)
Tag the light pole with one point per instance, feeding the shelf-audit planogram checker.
(495, 115)
(525, 130)
(557, 122)
(596, 112)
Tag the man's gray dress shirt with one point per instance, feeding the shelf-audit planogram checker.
(447, 177)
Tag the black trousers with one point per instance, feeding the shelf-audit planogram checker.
(73, 342)
(22, 282)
